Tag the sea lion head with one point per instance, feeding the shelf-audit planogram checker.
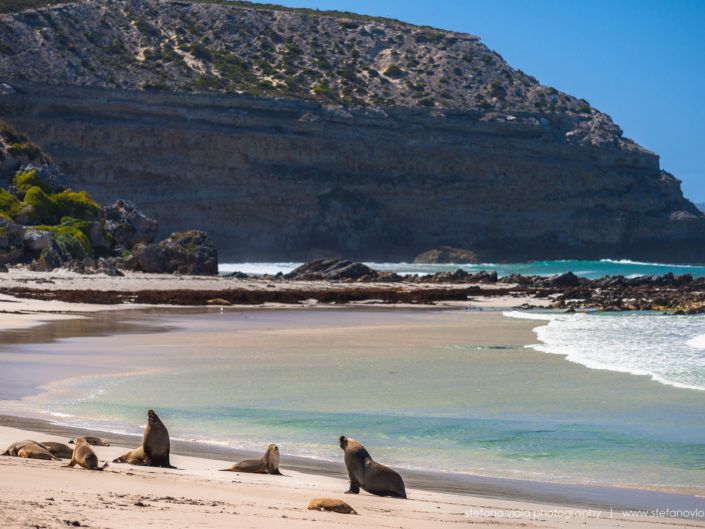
(272, 457)
(343, 442)
(153, 418)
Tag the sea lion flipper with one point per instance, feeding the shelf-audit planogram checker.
(70, 465)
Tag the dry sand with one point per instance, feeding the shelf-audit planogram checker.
(43, 494)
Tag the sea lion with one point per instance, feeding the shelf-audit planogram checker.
(155, 442)
(267, 464)
(371, 476)
(84, 455)
(87, 439)
(133, 457)
(34, 451)
(58, 449)
(15, 447)
(155, 445)
(330, 504)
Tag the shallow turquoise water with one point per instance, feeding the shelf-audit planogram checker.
(416, 388)
(589, 269)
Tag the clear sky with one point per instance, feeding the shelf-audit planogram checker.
(640, 61)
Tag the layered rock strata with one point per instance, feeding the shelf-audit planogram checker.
(340, 154)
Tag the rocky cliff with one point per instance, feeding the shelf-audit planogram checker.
(289, 134)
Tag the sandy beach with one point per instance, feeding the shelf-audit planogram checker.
(43, 494)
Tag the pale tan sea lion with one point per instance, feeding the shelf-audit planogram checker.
(267, 464)
(371, 476)
(58, 449)
(84, 455)
(34, 451)
(133, 457)
(87, 439)
(15, 447)
(330, 504)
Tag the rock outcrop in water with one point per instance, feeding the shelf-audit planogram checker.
(288, 134)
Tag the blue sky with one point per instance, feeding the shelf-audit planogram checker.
(641, 62)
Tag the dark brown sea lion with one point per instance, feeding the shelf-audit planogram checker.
(87, 439)
(330, 504)
(84, 455)
(133, 457)
(267, 464)
(58, 449)
(155, 445)
(15, 447)
(34, 451)
(155, 442)
(364, 472)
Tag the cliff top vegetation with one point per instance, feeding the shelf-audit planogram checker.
(336, 58)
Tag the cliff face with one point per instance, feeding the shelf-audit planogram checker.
(293, 174)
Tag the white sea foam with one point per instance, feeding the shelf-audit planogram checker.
(669, 349)
(645, 263)
(698, 342)
(258, 268)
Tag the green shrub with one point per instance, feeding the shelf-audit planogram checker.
(584, 107)
(42, 204)
(24, 181)
(9, 205)
(79, 205)
(74, 244)
(393, 71)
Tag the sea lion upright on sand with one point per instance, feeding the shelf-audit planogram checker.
(155, 442)
(371, 476)
(155, 448)
(87, 439)
(84, 455)
(267, 464)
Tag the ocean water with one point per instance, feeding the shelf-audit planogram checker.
(668, 349)
(424, 390)
(589, 269)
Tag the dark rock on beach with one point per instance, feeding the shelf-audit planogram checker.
(188, 253)
(332, 269)
(128, 225)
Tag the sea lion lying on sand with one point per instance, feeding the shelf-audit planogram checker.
(330, 504)
(133, 457)
(267, 464)
(155, 446)
(364, 472)
(84, 455)
(15, 447)
(58, 449)
(34, 451)
(87, 439)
